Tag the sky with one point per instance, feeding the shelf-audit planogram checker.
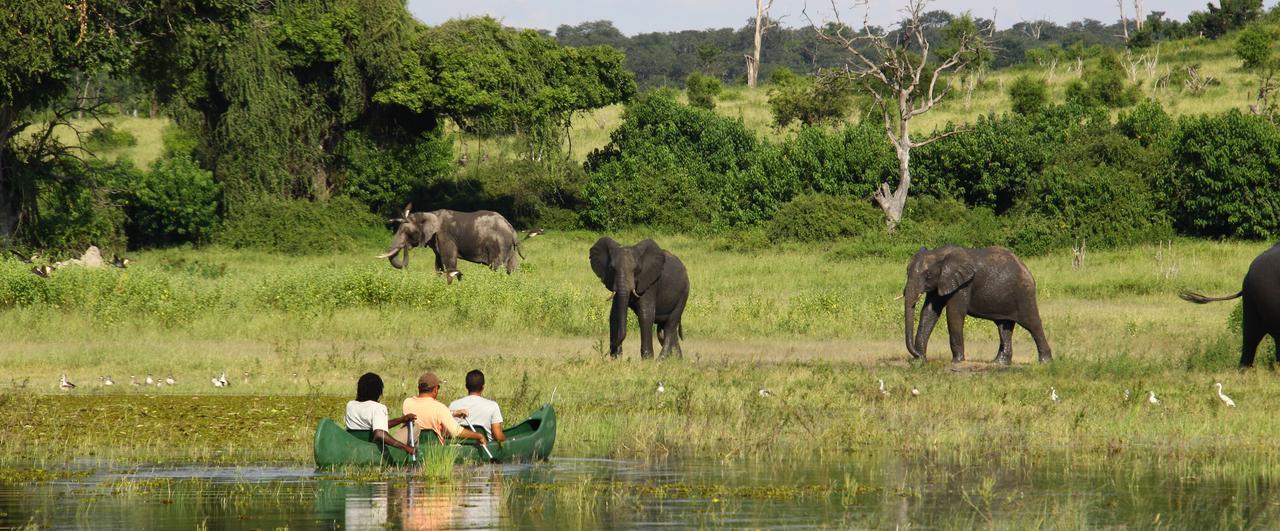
(641, 16)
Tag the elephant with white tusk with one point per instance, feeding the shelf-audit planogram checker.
(482, 237)
(651, 282)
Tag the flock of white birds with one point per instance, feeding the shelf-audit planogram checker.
(1053, 393)
(106, 381)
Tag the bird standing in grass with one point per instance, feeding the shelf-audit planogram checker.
(106, 380)
(1223, 396)
(1053, 394)
(221, 381)
(914, 391)
(765, 393)
(170, 380)
(64, 384)
(661, 389)
(1126, 395)
(1151, 398)
(150, 380)
(883, 391)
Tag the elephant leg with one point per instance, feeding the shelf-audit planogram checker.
(646, 334)
(1004, 356)
(439, 263)
(929, 313)
(1036, 328)
(1253, 333)
(955, 330)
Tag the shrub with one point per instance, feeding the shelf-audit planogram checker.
(678, 167)
(852, 161)
(822, 218)
(782, 75)
(1104, 84)
(1028, 94)
(383, 177)
(108, 137)
(298, 227)
(175, 202)
(1253, 47)
(702, 90)
(1222, 181)
(812, 102)
(1107, 206)
(80, 210)
(178, 141)
(1147, 123)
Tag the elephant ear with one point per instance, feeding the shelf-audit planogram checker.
(652, 259)
(957, 270)
(600, 253)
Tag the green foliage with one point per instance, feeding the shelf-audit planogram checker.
(1222, 181)
(1254, 46)
(702, 90)
(297, 227)
(1106, 206)
(108, 137)
(496, 80)
(828, 99)
(1105, 83)
(822, 218)
(674, 166)
(1028, 94)
(1228, 15)
(852, 161)
(1148, 123)
(79, 211)
(178, 141)
(384, 177)
(783, 76)
(176, 202)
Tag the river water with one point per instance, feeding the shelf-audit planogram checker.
(566, 493)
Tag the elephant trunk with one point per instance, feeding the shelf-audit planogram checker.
(908, 317)
(618, 321)
(399, 257)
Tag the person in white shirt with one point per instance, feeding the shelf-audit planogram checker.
(480, 411)
(366, 413)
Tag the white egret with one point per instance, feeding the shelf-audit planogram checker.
(1222, 396)
(661, 389)
(883, 391)
(1053, 394)
(1151, 397)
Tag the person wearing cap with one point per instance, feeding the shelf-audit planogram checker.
(480, 411)
(366, 413)
(433, 415)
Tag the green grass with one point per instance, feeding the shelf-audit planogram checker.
(294, 333)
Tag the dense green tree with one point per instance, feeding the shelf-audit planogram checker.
(702, 90)
(1028, 94)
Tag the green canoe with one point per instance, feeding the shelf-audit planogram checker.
(527, 441)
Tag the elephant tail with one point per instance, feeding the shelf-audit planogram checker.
(1191, 296)
(530, 234)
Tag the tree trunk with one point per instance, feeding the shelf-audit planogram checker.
(1124, 22)
(753, 61)
(892, 202)
(8, 207)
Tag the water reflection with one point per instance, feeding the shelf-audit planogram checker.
(881, 492)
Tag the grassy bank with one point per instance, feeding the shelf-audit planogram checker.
(815, 328)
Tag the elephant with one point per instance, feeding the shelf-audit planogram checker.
(990, 283)
(1261, 303)
(482, 237)
(650, 281)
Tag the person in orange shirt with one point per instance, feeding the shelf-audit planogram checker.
(431, 414)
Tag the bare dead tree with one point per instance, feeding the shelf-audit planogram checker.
(1138, 18)
(1077, 255)
(1124, 22)
(902, 77)
(763, 24)
(1033, 29)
